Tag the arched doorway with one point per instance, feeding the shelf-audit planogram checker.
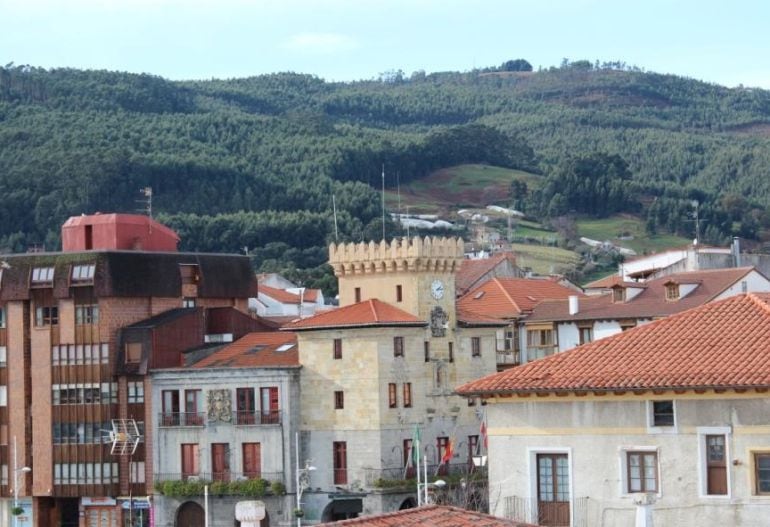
(408, 503)
(342, 509)
(190, 514)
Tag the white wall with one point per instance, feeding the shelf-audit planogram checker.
(597, 432)
(755, 283)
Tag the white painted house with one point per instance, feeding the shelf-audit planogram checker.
(673, 413)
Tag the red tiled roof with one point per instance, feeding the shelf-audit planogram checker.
(471, 271)
(367, 313)
(723, 344)
(279, 295)
(469, 318)
(510, 297)
(430, 516)
(611, 281)
(255, 350)
(650, 303)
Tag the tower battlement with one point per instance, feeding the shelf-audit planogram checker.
(401, 254)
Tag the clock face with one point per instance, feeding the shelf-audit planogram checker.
(437, 289)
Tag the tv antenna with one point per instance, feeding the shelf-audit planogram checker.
(145, 201)
(124, 436)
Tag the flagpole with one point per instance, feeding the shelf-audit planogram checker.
(383, 201)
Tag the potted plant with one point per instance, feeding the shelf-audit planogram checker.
(17, 511)
(299, 513)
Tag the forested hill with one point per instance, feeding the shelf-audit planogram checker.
(254, 162)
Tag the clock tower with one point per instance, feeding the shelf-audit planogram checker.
(413, 274)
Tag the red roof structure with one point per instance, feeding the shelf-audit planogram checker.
(255, 350)
(720, 345)
(649, 303)
(368, 313)
(127, 232)
(429, 516)
(509, 298)
(287, 297)
(472, 272)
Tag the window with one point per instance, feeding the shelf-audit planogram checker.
(358, 294)
(618, 294)
(2, 318)
(252, 460)
(744, 286)
(426, 350)
(663, 413)
(189, 274)
(408, 455)
(3, 396)
(3, 356)
(133, 352)
(42, 276)
(190, 460)
(716, 465)
(137, 472)
(170, 402)
(475, 346)
(82, 274)
(473, 448)
(540, 343)
(135, 392)
(338, 349)
(340, 462)
(586, 334)
(407, 395)
(392, 395)
(451, 352)
(245, 409)
(399, 294)
(193, 408)
(398, 346)
(87, 314)
(471, 401)
(339, 400)
(443, 450)
(188, 303)
(672, 292)
(220, 461)
(642, 472)
(271, 411)
(46, 316)
(762, 473)
(73, 354)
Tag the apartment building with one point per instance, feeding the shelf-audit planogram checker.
(66, 369)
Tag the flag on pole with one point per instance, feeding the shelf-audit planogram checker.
(483, 432)
(449, 451)
(415, 454)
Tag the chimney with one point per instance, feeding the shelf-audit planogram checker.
(573, 305)
(737, 251)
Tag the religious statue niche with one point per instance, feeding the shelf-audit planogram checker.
(220, 406)
(438, 322)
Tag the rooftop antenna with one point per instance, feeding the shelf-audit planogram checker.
(334, 207)
(146, 200)
(383, 201)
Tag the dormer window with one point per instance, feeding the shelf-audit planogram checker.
(189, 273)
(83, 274)
(618, 294)
(672, 292)
(42, 276)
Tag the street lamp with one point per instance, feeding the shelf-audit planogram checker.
(303, 480)
(16, 472)
(438, 484)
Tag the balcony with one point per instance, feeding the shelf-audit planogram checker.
(175, 419)
(257, 418)
(507, 358)
(227, 483)
(523, 509)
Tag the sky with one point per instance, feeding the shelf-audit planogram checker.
(721, 42)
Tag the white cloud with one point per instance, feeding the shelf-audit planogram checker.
(320, 43)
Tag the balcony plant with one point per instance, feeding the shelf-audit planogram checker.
(17, 511)
(299, 513)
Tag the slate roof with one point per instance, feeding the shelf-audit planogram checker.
(255, 350)
(511, 297)
(132, 274)
(650, 303)
(430, 516)
(363, 314)
(723, 344)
